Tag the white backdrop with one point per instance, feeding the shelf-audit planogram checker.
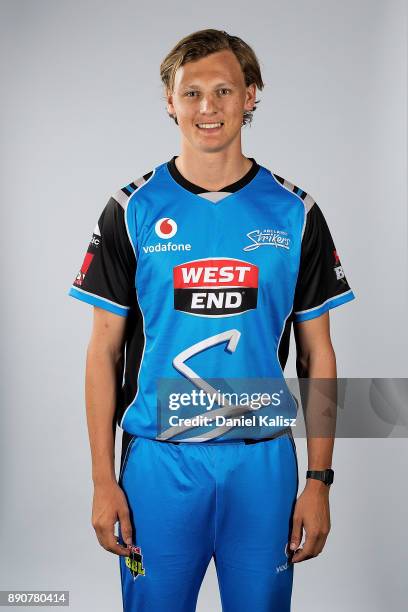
(83, 114)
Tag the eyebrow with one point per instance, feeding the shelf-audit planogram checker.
(193, 85)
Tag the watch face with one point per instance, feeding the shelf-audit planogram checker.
(329, 477)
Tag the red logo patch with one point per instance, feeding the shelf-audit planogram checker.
(215, 287)
(84, 269)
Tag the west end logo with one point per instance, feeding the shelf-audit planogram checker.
(267, 237)
(215, 287)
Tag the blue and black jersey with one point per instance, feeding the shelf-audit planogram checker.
(210, 282)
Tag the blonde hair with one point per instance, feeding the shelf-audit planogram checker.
(205, 42)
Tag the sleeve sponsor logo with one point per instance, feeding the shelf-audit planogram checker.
(215, 287)
(95, 241)
(338, 269)
(92, 248)
(80, 277)
(268, 237)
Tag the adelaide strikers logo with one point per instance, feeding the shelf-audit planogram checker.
(165, 227)
(135, 562)
(268, 237)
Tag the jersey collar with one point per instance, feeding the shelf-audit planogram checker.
(196, 189)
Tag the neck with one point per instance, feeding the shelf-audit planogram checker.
(212, 170)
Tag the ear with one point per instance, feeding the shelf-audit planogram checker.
(250, 97)
(169, 98)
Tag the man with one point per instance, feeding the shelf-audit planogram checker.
(196, 272)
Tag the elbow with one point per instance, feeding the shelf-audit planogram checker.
(320, 359)
(302, 365)
(105, 350)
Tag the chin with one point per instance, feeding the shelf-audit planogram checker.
(215, 148)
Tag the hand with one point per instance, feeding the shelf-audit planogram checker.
(109, 506)
(312, 513)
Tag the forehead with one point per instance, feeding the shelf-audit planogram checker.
(220, 66)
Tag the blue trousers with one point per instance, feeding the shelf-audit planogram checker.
(191, 502)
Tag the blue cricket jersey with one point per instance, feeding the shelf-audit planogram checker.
(210, 283)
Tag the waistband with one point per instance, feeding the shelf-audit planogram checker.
(278, 434)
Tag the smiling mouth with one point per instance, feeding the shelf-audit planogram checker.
(210, 126)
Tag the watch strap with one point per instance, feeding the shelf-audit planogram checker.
(326, 476)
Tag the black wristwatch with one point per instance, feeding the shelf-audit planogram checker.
(326, 476)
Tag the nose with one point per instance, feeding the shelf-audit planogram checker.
(208, 104)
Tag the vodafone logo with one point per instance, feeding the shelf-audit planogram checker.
(215, 287)
(165, 227)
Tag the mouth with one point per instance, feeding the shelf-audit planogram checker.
(210, 127)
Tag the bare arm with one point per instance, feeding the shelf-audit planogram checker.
(104, 358)
(315, 359)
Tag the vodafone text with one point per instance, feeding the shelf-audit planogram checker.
(168, 246)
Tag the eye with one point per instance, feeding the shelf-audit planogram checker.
(224, 91)
(190, 94)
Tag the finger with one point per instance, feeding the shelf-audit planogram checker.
(109, 542)
(309, 549)
(112, 545)
(125, 526)
(300, 556)
(296, 535)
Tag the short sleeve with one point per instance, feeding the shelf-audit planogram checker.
(107, 276)
(321, 283)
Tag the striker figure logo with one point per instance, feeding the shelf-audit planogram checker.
(215, 287)
(166, 227)
(268, 237)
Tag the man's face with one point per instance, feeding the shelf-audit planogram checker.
(211, 92)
